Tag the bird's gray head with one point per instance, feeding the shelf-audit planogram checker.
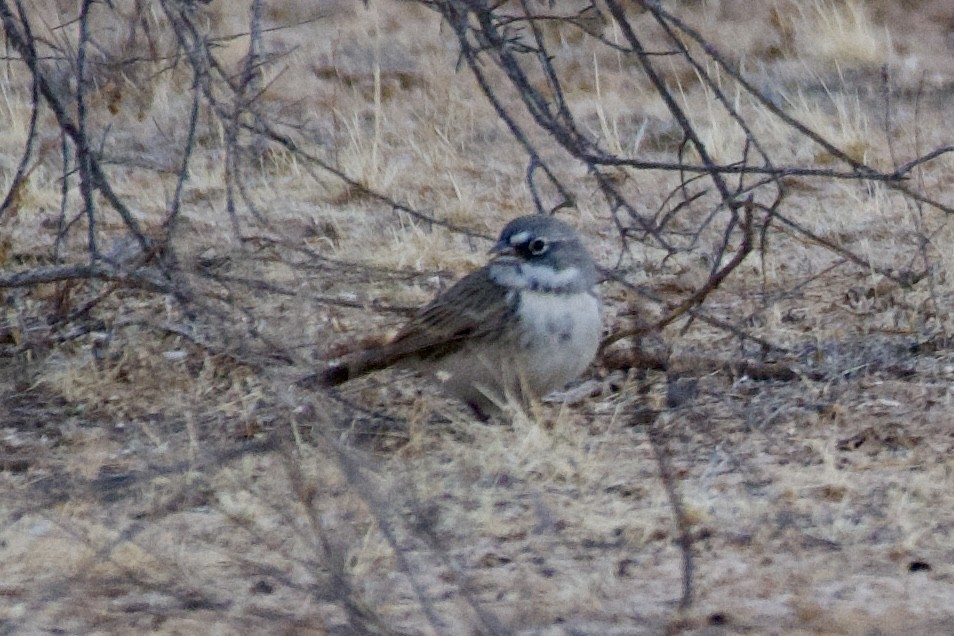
(542, 253)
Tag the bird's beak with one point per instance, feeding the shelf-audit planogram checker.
(502, 248)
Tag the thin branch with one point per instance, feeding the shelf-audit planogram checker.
(11, 200)
(141, 279)
(657, 440)
(21, 44)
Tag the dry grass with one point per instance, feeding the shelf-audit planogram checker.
(154, 480)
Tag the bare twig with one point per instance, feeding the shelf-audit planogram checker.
(658, 441)
(142, 279)
(96, 178)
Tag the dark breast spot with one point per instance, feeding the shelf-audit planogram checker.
(562, 328)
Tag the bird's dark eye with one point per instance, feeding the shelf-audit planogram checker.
(538, 246)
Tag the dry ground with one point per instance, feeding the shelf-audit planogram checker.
(153, 482)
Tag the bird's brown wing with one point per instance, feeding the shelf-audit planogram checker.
(474, 307)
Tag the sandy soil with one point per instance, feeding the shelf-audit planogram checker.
(161, 472)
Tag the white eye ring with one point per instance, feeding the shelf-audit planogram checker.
(538, 246)
(519, 238)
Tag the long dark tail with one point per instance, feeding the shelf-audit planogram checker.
(334, 375)
(363, 364)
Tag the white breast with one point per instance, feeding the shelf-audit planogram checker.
(555, 339)
(561, 333)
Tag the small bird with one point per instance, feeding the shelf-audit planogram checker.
(521, 326)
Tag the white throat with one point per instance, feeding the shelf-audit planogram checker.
(536, 277)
